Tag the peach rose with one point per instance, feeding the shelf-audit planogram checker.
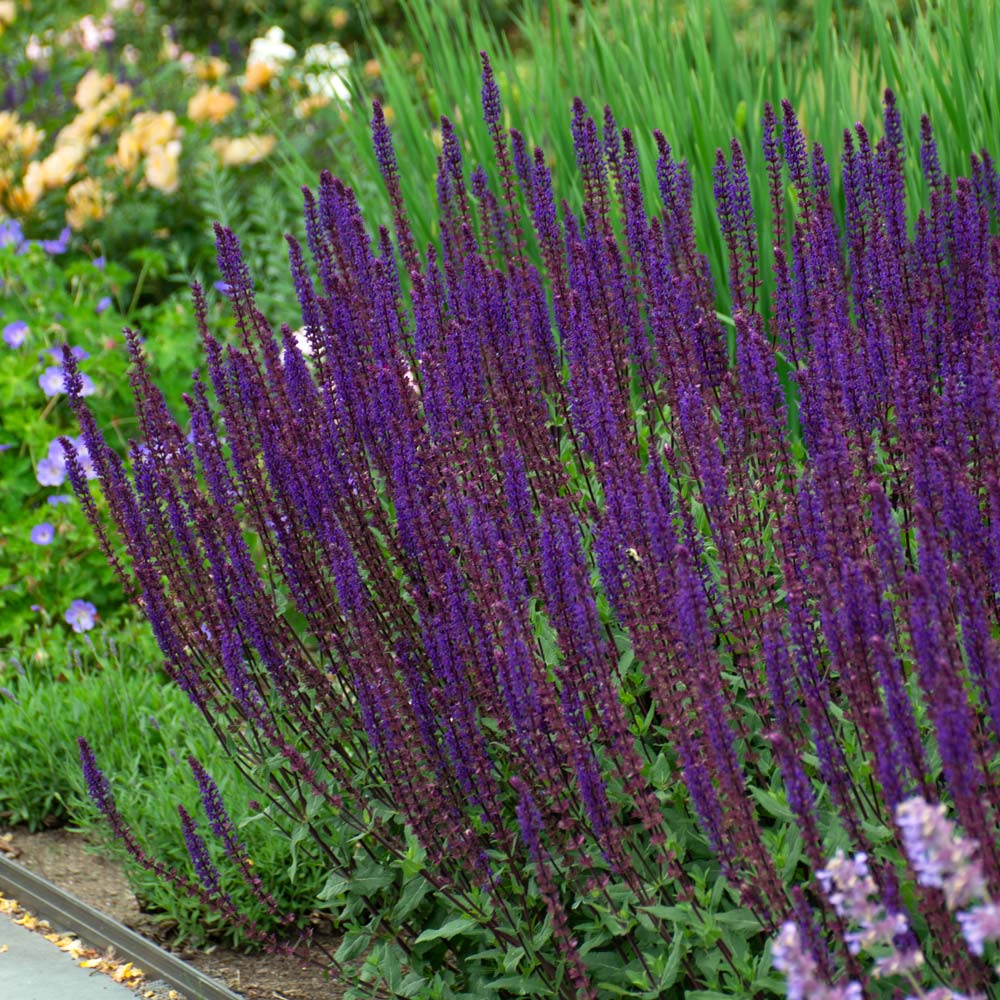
(210, 104)
(242, 150)
(163, 167)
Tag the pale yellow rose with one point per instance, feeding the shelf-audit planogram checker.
(9, 127)
(210, 105)
(147, 130)
(109, 105)
(33, 182)
(60, 165)
(259, 74)
(21, 200)
(211, 69)
(129, 151)
(28, 139)
(81, 129)
(85, 201)
(118, 97)
(91, 88)
(162, 167)
(8, 13)
(242, 150)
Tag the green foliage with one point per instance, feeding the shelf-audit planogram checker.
(307, 21)
(143, 157)
(58, 298)
(109, 689)
(56, 688)
(701, 77)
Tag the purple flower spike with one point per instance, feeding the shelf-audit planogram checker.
(791, 957)
(492, 107)
(207, 873)
(97, 785)
(939, 856)
(215, 809)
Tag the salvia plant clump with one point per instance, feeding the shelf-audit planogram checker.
(599, 640)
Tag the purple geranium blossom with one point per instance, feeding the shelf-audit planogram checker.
(53, 381)
(59, 245)
(56, 353)
(82, 615)
(102, 304)
(60, 498)
(51, 470)
(42, 534)
(15, 333)
(11, 235)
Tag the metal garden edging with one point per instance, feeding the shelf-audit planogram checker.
(68, 913)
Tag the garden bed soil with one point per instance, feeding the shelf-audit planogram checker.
(68, 861)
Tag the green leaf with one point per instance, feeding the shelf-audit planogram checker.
(677, 914)
(336, 886)
(772, 805)
(512, 959)
(411, 985)
(669, 975)
(452, 928)
(523, 986)
(369, 878)
(353, 945)
(740, 920)
(413, 894)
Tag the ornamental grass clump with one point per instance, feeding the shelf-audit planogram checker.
(574, 624)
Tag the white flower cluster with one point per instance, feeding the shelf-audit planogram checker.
(323, 71)
(271, 50)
